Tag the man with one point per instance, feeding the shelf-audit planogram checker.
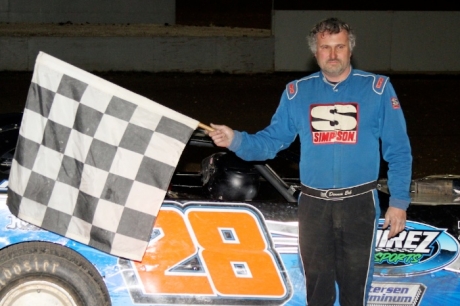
(344, 117)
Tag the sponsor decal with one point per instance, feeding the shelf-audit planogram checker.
(334, 123)
(419, 249)
(291, 89)
(223, 252)
(400, 294)
(395, 103)
(18, 224)
(379, 82)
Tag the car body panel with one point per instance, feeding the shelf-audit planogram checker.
(423, 269)
(209, 251)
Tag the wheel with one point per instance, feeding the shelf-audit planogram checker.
(43, 273)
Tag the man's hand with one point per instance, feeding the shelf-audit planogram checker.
(222, 135)
(396, 219)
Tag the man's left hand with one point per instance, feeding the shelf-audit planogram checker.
(396, 219)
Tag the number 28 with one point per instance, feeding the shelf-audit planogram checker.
(212, 251)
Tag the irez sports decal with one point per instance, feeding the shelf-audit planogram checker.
(334, 123)
(419, 249)
(208, 254)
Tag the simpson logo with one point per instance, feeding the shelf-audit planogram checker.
(223, 252)
(379, 83)
(291, 89)
(419, 249)
(334, 123)
(395, 103)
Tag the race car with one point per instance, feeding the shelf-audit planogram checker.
(226, 234)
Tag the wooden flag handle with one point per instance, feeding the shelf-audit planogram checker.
(205, 127)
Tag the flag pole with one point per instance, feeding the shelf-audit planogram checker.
(205, 127)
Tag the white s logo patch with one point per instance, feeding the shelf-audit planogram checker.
(334, 123)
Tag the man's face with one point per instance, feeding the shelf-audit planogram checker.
(333, 55)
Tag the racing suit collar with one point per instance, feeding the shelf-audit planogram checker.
(335, 84)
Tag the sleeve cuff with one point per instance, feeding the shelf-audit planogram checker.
(402, 204)
(236, 142)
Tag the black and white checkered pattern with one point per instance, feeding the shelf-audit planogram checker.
(93, 160)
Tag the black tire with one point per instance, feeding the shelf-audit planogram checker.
(43, 272)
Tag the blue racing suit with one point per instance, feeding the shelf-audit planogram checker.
(342, 127)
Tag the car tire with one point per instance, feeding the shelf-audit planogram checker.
(43, 273)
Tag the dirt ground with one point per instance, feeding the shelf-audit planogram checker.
(247, 102)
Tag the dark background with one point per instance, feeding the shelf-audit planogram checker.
(257, 13)
(247, 102)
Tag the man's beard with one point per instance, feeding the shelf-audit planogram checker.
(335, 70)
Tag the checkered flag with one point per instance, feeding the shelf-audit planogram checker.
(93, 160)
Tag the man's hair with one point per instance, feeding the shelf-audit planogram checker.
(331, 26)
